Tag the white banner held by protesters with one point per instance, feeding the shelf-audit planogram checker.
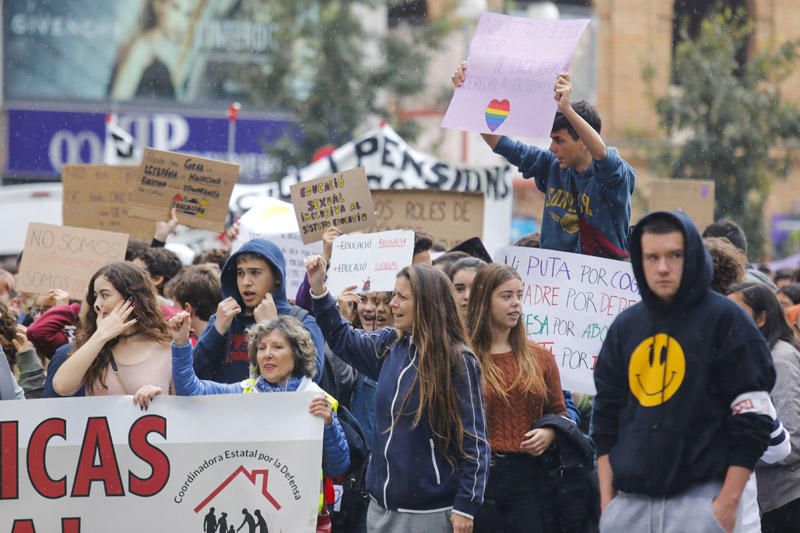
(101, 464)
(568, 303)
(371, 261)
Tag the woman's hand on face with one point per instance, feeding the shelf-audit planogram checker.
(145, 395)
(461, 523)
(116, 322)
(315, 268)
(537, 441)
(348, 301)
(266, 310)
(179, 326)
(321, 407)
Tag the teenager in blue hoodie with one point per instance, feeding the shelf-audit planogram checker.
(430, 456)
(681, 414)
(253, 290)
(587, 186)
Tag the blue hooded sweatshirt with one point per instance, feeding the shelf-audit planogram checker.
(677, 382)
(406, 470)
(601, 195)
(224, 358)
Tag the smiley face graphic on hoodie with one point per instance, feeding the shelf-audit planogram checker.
(656, 370)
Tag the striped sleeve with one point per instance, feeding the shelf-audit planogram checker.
(779, 444)
(473, 467)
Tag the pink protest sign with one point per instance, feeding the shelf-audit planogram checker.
(512, 68)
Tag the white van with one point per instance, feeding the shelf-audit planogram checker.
(22, 204)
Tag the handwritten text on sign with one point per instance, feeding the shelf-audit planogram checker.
(175, 467)
(568, 303)
(62, 257)
(198, 188)
(448, 216)
(512, 68)
(342, 200)
(370, 261)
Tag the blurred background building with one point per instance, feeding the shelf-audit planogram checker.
(167, 71)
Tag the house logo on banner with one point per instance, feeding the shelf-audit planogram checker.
(258, 479)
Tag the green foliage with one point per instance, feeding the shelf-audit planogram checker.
(321, 74)
(728, 122)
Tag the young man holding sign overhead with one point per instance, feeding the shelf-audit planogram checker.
(587, 186)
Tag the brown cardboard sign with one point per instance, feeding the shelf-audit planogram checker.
(694, 197)
(448, 216)
(98, 196)
(62, 257)
(342, 200)
(199, 188)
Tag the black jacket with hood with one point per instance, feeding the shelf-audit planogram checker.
(663, 409)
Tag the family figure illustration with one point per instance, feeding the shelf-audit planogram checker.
(255, 522)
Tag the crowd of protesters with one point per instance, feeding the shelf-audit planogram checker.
(437, 407)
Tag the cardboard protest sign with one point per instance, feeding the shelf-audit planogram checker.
(370, 261)
(98, 196)
(62, 257)
(448, 216)
(342, 200)
(275, 221)
(568, 303)
(512, 67)
(694, 197)
(179, 466)
(392, 163)
(199, 188)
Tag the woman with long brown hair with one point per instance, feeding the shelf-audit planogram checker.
(123, 343)
(520, 384)
(429, 456)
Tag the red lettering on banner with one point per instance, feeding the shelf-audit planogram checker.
(37, 470)
(68, 525)
(9, 474)
(158, 460)
(23, 526)
(97, 442)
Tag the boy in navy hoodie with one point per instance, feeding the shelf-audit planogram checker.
(253, 290)
(587, 186)
(681, 414)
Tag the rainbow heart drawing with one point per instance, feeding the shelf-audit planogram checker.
(497, 113)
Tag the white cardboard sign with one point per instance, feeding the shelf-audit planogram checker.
(568, 303)
(371, 260)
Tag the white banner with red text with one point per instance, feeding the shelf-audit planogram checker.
(90, 465)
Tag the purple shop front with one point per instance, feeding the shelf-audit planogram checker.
(40, 142)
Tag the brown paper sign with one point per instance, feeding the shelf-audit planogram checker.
(448, 216)
(342, 200)
(199, 188)
(98, 196)
(61, 257)
(694, 197)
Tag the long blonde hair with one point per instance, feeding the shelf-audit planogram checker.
(479, 316)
